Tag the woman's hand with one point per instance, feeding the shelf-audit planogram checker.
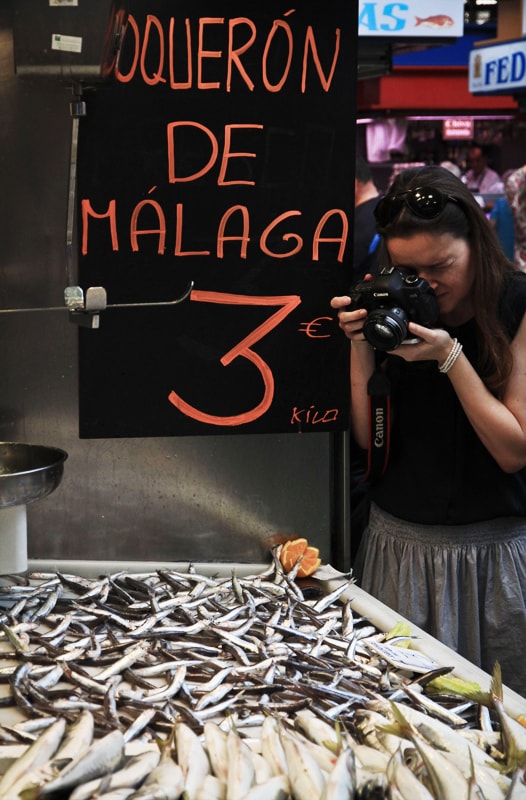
(350, 321)
(434, 344)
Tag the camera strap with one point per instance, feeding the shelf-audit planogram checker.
(379, 395)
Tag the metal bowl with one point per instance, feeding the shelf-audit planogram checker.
(28, 472)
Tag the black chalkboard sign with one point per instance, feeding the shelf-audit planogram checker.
(220, 153)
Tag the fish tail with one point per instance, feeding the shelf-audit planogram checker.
(496, 683)
(419, 21)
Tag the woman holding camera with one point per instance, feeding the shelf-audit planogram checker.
(446, 541)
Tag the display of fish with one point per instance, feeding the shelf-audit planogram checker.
(235, 688)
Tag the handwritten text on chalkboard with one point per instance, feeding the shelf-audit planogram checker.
(232, 168)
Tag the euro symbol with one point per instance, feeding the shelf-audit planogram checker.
(310, 328)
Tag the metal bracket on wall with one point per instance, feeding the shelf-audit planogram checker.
(84, 310)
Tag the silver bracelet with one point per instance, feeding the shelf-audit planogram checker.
(452, 357)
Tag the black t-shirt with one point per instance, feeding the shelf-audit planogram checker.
(439, 471)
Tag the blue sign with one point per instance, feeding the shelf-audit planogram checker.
(498, 69)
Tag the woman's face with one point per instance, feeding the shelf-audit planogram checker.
(445, 263)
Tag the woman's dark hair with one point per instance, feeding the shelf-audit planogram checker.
(466, 220)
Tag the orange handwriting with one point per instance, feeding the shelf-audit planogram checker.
(242, 350)
(311, 416)
(282, 44)
(311, 328)
(292, 242)
(227, 154)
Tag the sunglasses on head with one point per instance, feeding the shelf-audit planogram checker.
(424, 201)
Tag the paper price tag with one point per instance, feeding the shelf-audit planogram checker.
(71, 44)
(402, 658)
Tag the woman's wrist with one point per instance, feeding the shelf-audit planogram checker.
(451, 357)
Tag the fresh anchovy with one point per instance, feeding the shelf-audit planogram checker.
(117, 794)
(257, 657)
(76, 704)
(192, 758)
(215, 741)
(420, 699)
(48, 605)
(241, 773)
(51, 677)
(61, 627)
(165, 781)
(214, 696)
(121, 664)
(149, 623)
(78, 737)
(20, 642)
(404, 780)
(213, 682)
(131, 774)
(170, 690)
(79, 677)
(330, 598)
(446, 779)
(272, 746)
(276, 788)
(104, 756)
(304, 773)
(244, 644)
(94, 612)
(211, 789)
(141, 721)
(36, 755)
(341, 780)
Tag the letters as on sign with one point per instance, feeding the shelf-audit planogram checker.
(456, 128)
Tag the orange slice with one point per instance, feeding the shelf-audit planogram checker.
(309, 563)
(296, 549)
(291, 552)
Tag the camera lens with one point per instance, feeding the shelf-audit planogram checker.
(386, 329)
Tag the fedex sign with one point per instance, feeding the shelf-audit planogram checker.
(498, 68)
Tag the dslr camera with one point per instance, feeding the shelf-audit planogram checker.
(393, 299)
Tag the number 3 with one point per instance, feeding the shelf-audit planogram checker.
(288, 303)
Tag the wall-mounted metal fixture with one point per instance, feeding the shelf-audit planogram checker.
(85, 309)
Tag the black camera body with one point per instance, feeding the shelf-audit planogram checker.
(393, 299)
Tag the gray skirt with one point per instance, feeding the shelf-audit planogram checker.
(463, 584)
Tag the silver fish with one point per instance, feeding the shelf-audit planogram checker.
(215, 741)
(78, 737)
(170, 690)
(36, 755)
(165, 781)
(276, 788)
(121, 664)
(241, 773)
(131, 774)
(192, 758)
(341, 781)
(305, 775)
(104, 756)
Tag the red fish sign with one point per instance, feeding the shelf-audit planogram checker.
(437, 21)
(411, 18)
